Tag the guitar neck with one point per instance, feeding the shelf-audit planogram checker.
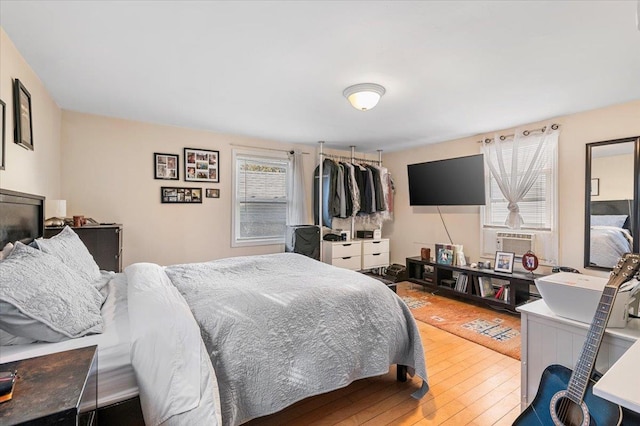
(582, 372)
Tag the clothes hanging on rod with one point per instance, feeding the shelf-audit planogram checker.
(352, 189)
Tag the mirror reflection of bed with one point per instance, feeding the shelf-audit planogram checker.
(611, 235)
(612, 198)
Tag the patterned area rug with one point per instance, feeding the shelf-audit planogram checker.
(487, 327)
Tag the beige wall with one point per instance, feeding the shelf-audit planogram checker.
(107, 174)
(415, 227)
(615, 177)
(37, 171)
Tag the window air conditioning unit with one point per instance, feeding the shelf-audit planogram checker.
(517, 243)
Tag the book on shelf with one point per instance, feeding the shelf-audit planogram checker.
(503, 292)
(476, 285)
(486, 289)
(461, 283)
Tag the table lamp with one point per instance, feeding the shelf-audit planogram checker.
(56, 210)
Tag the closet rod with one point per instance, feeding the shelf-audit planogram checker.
(288, 151)
(344, 157)
(524, 132)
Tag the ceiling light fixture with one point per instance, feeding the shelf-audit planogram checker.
(364, 96)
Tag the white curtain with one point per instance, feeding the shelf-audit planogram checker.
(297, 209)
(515, 163)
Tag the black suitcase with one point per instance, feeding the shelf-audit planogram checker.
(303, 239)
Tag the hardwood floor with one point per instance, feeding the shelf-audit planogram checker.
(469, 385)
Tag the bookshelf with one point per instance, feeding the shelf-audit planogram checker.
(478, 285)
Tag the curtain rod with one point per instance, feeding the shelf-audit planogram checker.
(524, 132)
(288, 151)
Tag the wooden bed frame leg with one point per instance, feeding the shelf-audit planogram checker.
(401, 373)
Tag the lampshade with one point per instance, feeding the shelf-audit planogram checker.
(364, 96)
(55, 208)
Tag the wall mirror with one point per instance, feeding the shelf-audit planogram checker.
(612, 201)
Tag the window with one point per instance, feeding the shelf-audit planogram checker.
(538, 207)
(260, 198)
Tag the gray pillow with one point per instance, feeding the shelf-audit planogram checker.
(69, 248)
(43, 299)
(616, 220)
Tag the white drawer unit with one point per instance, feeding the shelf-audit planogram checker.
(375, 253)
(345, 254)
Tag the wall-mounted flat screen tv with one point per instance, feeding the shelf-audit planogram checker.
(452, 182)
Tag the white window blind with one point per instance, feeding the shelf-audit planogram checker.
(537, 207)
(260, 198)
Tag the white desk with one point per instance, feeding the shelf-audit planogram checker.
(549, 339)
(621, 384)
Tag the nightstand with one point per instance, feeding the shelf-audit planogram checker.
(104, 242)
(51, 389)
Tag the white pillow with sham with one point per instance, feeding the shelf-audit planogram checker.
(43, 299)
(69, 248)
(616, 220)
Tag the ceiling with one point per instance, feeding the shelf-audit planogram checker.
(276, 70)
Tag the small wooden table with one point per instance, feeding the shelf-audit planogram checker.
(50, 388)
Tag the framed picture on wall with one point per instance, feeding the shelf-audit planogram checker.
(3, 118)
(23, 127)
(213, 193)
(180, 195)
(201, 165)
(166, 166)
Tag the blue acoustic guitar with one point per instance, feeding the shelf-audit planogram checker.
(565, 397)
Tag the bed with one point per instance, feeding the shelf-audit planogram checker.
(247, 336)
(610, 235)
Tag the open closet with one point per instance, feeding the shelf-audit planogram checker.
(351, 201)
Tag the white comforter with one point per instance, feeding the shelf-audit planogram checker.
(277, 328)
(608, 244)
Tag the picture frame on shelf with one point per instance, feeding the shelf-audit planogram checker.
(3, 119)
(23, 126)
(530, 261)
(445, 256)
(504, 262)
(213, 193)
(180, 195)
(166, 166)
(201, 165)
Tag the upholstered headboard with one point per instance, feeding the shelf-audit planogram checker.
(21, 217)
(614, 207)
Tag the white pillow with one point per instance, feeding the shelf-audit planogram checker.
(69, 248)
(43, 299)
(6, 251)
(616, 220)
